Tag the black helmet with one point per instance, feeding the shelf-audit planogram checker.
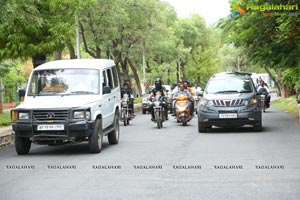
(158, 84)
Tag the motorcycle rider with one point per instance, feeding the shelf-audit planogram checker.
(263, 87)
(192, 92)
(197, 89)
(158, 88)
(185, 92)
(128, 91)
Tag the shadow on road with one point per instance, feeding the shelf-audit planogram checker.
(68, 149)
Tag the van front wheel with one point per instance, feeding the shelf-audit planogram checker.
(96, 139)
(113, 137)
(22, 145)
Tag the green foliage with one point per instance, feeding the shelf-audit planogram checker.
(12, 80)
(36, 27)
(5, 119)
(291, 77)
(270, 41)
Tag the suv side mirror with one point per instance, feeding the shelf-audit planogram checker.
(106, 90)
(200, 94)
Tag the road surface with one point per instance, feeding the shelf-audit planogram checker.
(174, 162)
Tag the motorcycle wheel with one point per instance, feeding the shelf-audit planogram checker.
(124, 117)
(158, 120)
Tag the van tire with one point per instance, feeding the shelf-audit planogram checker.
(22, 145)
(113, 137)
(96, 139)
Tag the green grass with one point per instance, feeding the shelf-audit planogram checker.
(5, 119)
(287, 104)
(138, 100)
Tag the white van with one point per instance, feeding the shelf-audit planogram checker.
(69, 101)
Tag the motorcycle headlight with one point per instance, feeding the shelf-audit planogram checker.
(156, 103)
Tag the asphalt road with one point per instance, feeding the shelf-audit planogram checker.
(174, 162)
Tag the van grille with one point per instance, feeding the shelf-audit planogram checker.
(228, 103)
(45, 115)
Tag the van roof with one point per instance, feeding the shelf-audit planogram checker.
(77, 63)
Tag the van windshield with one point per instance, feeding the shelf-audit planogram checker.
(64, 82)
(229, 85)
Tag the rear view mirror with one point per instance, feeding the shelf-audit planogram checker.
(106, 90)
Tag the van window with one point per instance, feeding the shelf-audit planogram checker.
(110, 78)
(115, 74)
(104, 79)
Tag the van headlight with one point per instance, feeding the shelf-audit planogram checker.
(23, 115)
(81, 114)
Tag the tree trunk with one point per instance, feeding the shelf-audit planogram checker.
(57, 55)
(125, 70)
(38, 59)
(285, 90)
(178, 70)
(72, 51)
(136, 77)
(276, 81)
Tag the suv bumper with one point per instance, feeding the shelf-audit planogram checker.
(207, 119)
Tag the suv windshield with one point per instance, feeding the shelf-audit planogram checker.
(229, 85)
(64, 82)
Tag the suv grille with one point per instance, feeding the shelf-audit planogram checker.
(228, 103)
(45, 115)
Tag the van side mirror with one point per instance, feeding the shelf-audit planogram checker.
(106, 90)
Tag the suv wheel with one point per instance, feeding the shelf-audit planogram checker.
(258, 127)
(202, 129)
(96, 139)
(22, 145)
(113, 137)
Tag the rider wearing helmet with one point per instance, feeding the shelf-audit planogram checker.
(158, 88)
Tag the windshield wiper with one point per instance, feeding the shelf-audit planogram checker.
(227, 91)
(81, 92)
(245, 91)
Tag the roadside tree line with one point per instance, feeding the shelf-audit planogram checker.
(268, 39)
(146, 39)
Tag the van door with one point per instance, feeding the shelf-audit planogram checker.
(107, 102)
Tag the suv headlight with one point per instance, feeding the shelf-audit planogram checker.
(207, 103)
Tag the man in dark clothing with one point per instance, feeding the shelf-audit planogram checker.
(128, 91)
(158, 89)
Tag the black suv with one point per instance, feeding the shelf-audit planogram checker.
(230, 99)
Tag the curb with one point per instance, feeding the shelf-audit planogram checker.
(6, 137)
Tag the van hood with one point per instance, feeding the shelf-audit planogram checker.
(228, 96)
(49, 102)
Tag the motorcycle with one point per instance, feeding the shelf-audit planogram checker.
(263, 97)
(183, 112)
(159, 109)
(125, 110)
(196, 101)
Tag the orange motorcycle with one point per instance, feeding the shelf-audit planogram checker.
(183, 111)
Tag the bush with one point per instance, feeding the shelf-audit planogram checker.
(5, 119)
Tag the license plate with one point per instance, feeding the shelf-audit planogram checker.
(50, 127)
(228, 115)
